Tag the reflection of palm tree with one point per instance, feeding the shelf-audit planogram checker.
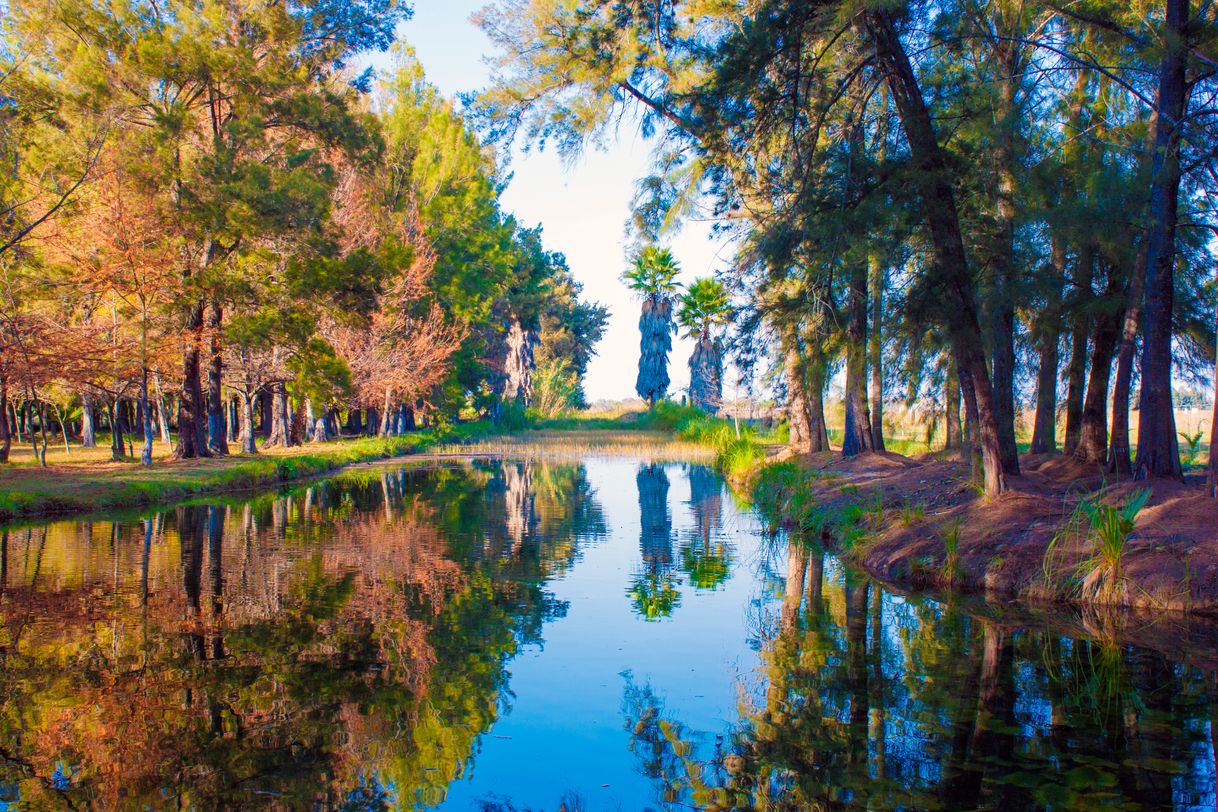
(654, 591)
(707, 565)
(655, 520)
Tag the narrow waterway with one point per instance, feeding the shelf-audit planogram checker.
(526, 635)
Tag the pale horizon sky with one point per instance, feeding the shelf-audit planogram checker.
(582, 208)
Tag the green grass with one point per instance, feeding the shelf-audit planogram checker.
(91, 488)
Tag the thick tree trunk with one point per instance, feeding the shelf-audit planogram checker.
(296, 425)
(1093, 433)
(1048, 337)
(950, 266)
(875, 348)
(971, 450)
(951, 407)
(1118, 461)
(818, 428)
(318, 422)
(248, 444)
(280, 429)
(217, 425)
(655, 330)
(88, 432)
(1158, 449)
(798, 418)
(856, 435)
(192, 420)
(1080, 328)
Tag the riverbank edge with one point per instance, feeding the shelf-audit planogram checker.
(63, 491)
(1023, 548)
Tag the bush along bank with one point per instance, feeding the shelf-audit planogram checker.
(30, 493)
(1061, 534)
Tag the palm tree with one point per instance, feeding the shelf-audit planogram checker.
(703, 307)
(653, 276)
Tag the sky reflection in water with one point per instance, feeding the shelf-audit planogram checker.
(523, 635)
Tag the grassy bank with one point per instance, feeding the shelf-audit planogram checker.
(89, 485)
(1061, 533)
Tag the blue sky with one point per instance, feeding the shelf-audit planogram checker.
(582, 207)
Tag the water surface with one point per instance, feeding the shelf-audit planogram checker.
(609, 634)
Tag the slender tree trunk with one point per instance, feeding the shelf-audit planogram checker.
(1212, 478)
(875, 351)
(1158, 449)
(88, 434)
(971, 450)
(318, 422)
(387, 414)
(6, 434)
(950, 266)
(1048, 335)
(1003, 309)
(217, 425)
(192, 420)
(856, 436)
(161, 411)
(951, 407)
(1093, 433)
(116, 431)
(145, 419)
(1080, 327)
(266, 412)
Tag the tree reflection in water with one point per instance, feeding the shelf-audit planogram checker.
(653, 590)
(336, 645)
(706, 554)
(873, 701)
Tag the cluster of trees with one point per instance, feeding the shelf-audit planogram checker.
(993, 201)
(702, 307)
(210, 223)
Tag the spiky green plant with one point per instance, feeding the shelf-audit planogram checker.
(1106, 529)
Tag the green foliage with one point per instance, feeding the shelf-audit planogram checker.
(652, 273)
(704, 305)
(1103, 530)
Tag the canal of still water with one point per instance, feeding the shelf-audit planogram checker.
(529, 635)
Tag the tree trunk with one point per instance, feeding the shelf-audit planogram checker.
(856, 434)
(217, 425)
(818, 429)
(798, 416)
(145, 419)
(1080, 327)
(248, 444)
(951, 407)
(387, 414)
(6, 434)
(1003, 256)
(655, 342)
(950, 266)
(318, 422)
(296, 425)
(280, 430)
(1212, 478)
(116, 431)
(971, 450)
(161, 412)
(1093, 433)
(88, 433)
(1158, 449)
(1048, 335)
(875, 350)
(192, 420)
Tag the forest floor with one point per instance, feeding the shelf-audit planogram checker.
(919, 522)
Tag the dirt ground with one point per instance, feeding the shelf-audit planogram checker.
(1170, 561)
